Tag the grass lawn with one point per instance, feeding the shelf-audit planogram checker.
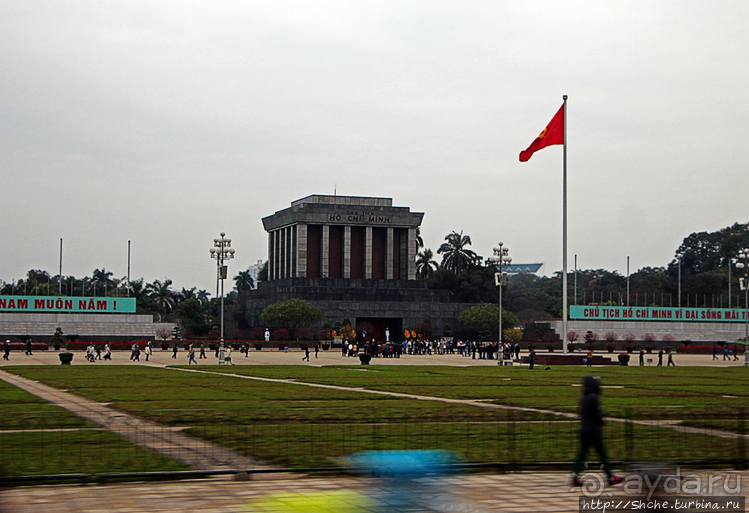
(85, 451)
(39, 438)
(299, 426)
(22, 410)
(645, 392)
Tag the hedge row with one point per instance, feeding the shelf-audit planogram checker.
(185, 344)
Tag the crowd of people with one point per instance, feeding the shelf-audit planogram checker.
(468, 349)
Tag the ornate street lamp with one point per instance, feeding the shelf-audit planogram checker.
(743, 263)
(500, 259)
(222, 251)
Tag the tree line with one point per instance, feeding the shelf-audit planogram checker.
(700, 268)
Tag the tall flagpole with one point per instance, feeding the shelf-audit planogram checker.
(564, 234)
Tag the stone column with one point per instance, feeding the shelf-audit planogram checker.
(301, 252)
(282, 252)
(270, 255)
(325, 249)
(293, 248)
(276, 255)
(347, 251)
(411, 254)
(287, 245)
(389, 255)
(368, 252)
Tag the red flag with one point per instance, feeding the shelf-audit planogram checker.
(552, 134)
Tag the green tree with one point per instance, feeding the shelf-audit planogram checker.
(34, 279)
(455, 254)
(202, 297)
(243, 283)
(263, 274)
(103, 278)
(291, 314)
(162, 295)
(485, 319)
(193, 316)
(425, 265)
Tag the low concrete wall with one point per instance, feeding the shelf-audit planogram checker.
(99, 327)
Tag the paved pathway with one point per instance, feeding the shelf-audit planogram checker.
(547, 492)
(193, 452)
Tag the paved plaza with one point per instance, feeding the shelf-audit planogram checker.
(331, 357)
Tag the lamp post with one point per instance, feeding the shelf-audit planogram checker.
(679, 256)
(743, 263)
(222, 251)
(500, 259)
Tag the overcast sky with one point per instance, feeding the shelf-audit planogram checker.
(165, 123)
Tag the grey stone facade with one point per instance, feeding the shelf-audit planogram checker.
(378, 304)
(342, 237)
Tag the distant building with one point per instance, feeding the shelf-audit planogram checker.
(522, 268)
(254, 271)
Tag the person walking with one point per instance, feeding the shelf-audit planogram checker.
(29, 347)
(202, 351)
(660, 358)
(227, 355)
(532, 359)
(149, 350)
(6, 349)
(670, 360)
(589, 358)
(306, 354)
(715, 352)
(107, 351)
(174, 350)
(642, 357)
(136, 352)
(317, 349)
(591, 431)
(191, 356)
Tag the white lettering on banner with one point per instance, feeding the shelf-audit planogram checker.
(658, 313)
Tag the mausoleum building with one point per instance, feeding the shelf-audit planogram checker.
(354, 258)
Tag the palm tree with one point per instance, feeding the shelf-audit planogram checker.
(138, 290)
(101, 277)
(455, 256)
(202, 296)
(161, 294)
(244, 282)
(188, 294)
(419, 240)
(425, 266)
